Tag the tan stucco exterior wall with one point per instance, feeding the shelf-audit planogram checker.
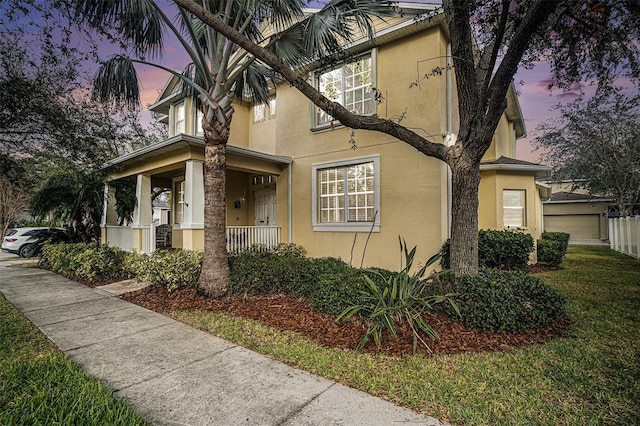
(413, 191)
(492, 184)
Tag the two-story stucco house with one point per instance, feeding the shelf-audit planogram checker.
(293, 175)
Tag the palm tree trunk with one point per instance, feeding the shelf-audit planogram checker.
(214, 276)
(465, 176)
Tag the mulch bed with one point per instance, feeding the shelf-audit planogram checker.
(289, 313)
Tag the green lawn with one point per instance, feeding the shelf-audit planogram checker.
(590, 377)
(40, 385)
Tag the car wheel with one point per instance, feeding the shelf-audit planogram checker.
(26, 250)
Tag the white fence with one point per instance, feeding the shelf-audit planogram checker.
(242, 237)
(624, 234)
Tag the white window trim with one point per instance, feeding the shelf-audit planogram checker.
(346, 226)
(273, 107)
(174, 202)
(197, 122)
(184, 118)
(313, 123)
(256, 107)
(523, 208)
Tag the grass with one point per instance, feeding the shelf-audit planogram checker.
(589, 377)
(40, 385)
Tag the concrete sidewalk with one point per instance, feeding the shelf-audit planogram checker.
(176, 375)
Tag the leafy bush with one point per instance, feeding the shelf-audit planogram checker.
(172, 269)
(507, 301)
(401, 298)
(84, 260)
(497, 249)
(552, 247)
(329, 283)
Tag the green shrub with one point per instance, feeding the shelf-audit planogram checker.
(497, 249)
(329, 283)
(552, 247)
(507, 301)
(85, 261)
(172, 269)
(550, 252)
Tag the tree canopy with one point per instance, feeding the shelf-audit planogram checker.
(596, 143)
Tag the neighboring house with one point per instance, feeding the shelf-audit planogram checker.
(294, 176)
(161, 212)
(575, 211)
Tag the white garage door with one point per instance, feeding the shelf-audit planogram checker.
(580, 226)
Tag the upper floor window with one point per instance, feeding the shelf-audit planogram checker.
(272, 107)
(350, 85)
(258, 112)
(513, 208)
(198, 124)
(346, 195)
(179, 118)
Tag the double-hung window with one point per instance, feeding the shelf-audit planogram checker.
(350, 85)
(179, 200)
(258, 112)
(198, 123)
(513, 208)
(346, 195)
(179, 118)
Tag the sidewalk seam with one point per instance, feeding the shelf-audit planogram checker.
(176, 369)
(303, 406)
(111, 338)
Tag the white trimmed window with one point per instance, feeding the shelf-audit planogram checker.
(179, 118)
(179, 191)
(514, 208)
(258, 112)
(350, 85)
(272, 107)
(198, 123)
(346, 195)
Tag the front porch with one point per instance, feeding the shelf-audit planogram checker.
(258, 197)
(145, 239)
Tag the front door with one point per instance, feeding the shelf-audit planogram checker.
(264, 207)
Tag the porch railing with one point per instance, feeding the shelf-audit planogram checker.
(120, 236)
(242, 237)
(238, 237)
(624, 235)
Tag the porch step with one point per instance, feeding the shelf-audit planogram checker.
(122, 287)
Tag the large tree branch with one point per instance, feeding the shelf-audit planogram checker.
(457, 15)
(518, 45)
(339, 112)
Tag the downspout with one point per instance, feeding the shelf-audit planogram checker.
(289, 209)
(449, 139)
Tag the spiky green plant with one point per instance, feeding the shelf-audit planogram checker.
(401, 298)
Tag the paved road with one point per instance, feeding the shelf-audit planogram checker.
(176, 375)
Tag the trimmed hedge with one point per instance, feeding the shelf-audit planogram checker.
(85, 260)
(329, 283)
(552, 247)
(507, 301)
(498, 249)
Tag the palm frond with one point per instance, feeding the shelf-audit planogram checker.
(322, 34)
(138, 21)
(116, 81)
(255, 83)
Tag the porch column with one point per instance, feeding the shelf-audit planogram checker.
(193, 222)
(109, 216)
(142, 214)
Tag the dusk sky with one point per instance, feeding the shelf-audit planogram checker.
(535, 98)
